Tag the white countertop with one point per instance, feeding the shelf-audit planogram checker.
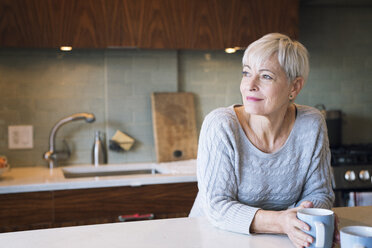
(33, 179)
(180, 232)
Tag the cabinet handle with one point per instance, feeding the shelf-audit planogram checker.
(137, 216)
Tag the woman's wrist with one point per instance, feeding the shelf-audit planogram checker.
(267, 222)
(280, 221)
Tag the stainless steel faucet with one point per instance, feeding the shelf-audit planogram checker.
(52, 156)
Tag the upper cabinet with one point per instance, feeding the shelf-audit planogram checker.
(155, 24)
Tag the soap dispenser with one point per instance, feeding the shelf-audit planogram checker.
(99, 153)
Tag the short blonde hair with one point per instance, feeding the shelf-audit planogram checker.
(292, 55)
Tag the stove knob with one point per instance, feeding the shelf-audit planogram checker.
(350, 176)
(364, 175)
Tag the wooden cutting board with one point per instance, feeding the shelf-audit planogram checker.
(173, 118)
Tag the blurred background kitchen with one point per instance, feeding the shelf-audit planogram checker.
(40, 85)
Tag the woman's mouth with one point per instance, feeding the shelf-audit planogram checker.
(253, 99)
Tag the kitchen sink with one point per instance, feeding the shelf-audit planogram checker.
(107, 170)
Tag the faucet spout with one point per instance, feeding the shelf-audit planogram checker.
(52, 156)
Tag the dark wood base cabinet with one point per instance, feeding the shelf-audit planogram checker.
(36, 210)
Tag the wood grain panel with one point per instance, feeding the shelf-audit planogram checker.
(155, 28)
(26, 210)
(247, 21)
(205, 25)
(79, 23)
(98, 23)
(89, 204)
(160, 24)
(16, 23)
(240, 23)
(290, 23)
(173, 117)
(123, 22)
(83, 23)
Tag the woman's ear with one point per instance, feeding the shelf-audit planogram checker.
(297, 85)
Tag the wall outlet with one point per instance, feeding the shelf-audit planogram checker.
(20, 137)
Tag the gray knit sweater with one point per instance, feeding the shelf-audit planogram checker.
(235, 179)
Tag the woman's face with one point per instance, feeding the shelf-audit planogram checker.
(265, 88)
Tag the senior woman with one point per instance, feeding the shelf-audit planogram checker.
(259, 162)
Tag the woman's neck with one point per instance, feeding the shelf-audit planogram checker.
(269, 133)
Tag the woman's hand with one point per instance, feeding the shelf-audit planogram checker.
(293, 227)
(336, 234)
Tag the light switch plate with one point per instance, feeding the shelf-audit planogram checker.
(20, 137)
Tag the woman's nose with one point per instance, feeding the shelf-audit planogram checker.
(251, 83)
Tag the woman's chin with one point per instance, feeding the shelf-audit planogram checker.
(253, 110)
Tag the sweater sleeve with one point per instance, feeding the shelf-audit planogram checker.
(317, 187)
(217, 180)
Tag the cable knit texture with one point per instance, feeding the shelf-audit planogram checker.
(235, 179)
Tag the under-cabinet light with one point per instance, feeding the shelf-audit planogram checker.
(65, 48)
(233, 49)
(230, 50)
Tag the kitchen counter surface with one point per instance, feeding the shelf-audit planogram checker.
(180, 232)
(33, 179)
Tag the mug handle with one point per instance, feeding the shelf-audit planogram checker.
(319, 234)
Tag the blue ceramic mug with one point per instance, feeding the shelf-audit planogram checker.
(321, 222)
(356, 237)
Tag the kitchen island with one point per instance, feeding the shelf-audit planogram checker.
(180, 232)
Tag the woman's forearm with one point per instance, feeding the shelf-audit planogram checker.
(266, 222)
(284, 222)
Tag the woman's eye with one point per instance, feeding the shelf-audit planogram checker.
(245, 73)
(265, 76)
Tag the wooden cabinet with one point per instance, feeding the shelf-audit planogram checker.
(25, 211)
(159, 24)
(88, 205)
(35, 210)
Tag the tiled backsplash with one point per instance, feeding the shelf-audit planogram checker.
(40, 86)
(339, 40)
(131, 77)
(43, 86)
(214, 77)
